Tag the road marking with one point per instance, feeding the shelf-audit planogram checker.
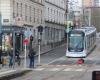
(54, 69)
(38, 69)
(80, 69)
(59, 69)
(55, 60)
(67, 69)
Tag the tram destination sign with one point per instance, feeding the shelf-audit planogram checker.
(76, 35)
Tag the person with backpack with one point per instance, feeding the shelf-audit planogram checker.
(31, 57)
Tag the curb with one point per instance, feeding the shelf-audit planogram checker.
(14, 74)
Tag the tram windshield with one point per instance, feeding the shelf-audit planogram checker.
(76, 42)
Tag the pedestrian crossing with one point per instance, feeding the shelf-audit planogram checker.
(76, 68)
(61, 68)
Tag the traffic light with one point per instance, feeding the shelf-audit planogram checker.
(40, 29)
(31, 38)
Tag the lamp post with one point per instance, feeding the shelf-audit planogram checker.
(13, 49)
(40, 30)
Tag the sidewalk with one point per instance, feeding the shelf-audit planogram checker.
(8, 74)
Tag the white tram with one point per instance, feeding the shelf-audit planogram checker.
(81, 41)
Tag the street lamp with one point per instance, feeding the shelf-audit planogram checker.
(40, 30)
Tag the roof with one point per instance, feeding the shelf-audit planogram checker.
(87, 30)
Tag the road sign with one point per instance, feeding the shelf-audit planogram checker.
(28, 33)
(26, 41)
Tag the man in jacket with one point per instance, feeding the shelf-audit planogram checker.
(0, 55)
(31, 57)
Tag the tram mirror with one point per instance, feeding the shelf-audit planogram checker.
(96, 75)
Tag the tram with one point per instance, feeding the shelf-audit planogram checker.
(81, 41)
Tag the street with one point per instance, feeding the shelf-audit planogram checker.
(64, 68)
(35, 34)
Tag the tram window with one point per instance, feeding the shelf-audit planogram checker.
(76, 42)
(88, 42)
(85, 44)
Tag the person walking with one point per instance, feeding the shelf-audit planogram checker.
(31, 57)
(18, 59)
(11, 57)
(0, 56)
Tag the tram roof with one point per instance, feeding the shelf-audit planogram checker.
(87, 30)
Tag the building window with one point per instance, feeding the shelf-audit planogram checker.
(21, 10)
(30, 13)
(25, 12)
(48, 13)
(13, 9)
(34, 15)
(17, 8)
(54, 15)
(41, 1)
(41, 16)
(13, 15)
(38, 15)
(51, 14)
(57, 15)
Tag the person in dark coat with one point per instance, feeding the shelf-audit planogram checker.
(18, 59)
(31, 57)
(11, 58)
(0, 55)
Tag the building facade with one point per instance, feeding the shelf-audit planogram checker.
(19, 14)
(29, 14)
(88, 3)
(54, 20)
(91, 13)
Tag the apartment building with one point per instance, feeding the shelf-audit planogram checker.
(91, 13)
(29, 14)
(22, 15)
(88, 3)
(54, 20)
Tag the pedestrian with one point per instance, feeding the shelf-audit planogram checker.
(18, 59)
(31, 57)
(0, 56)
(11, 57)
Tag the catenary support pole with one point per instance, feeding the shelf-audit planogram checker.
(39, 51)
